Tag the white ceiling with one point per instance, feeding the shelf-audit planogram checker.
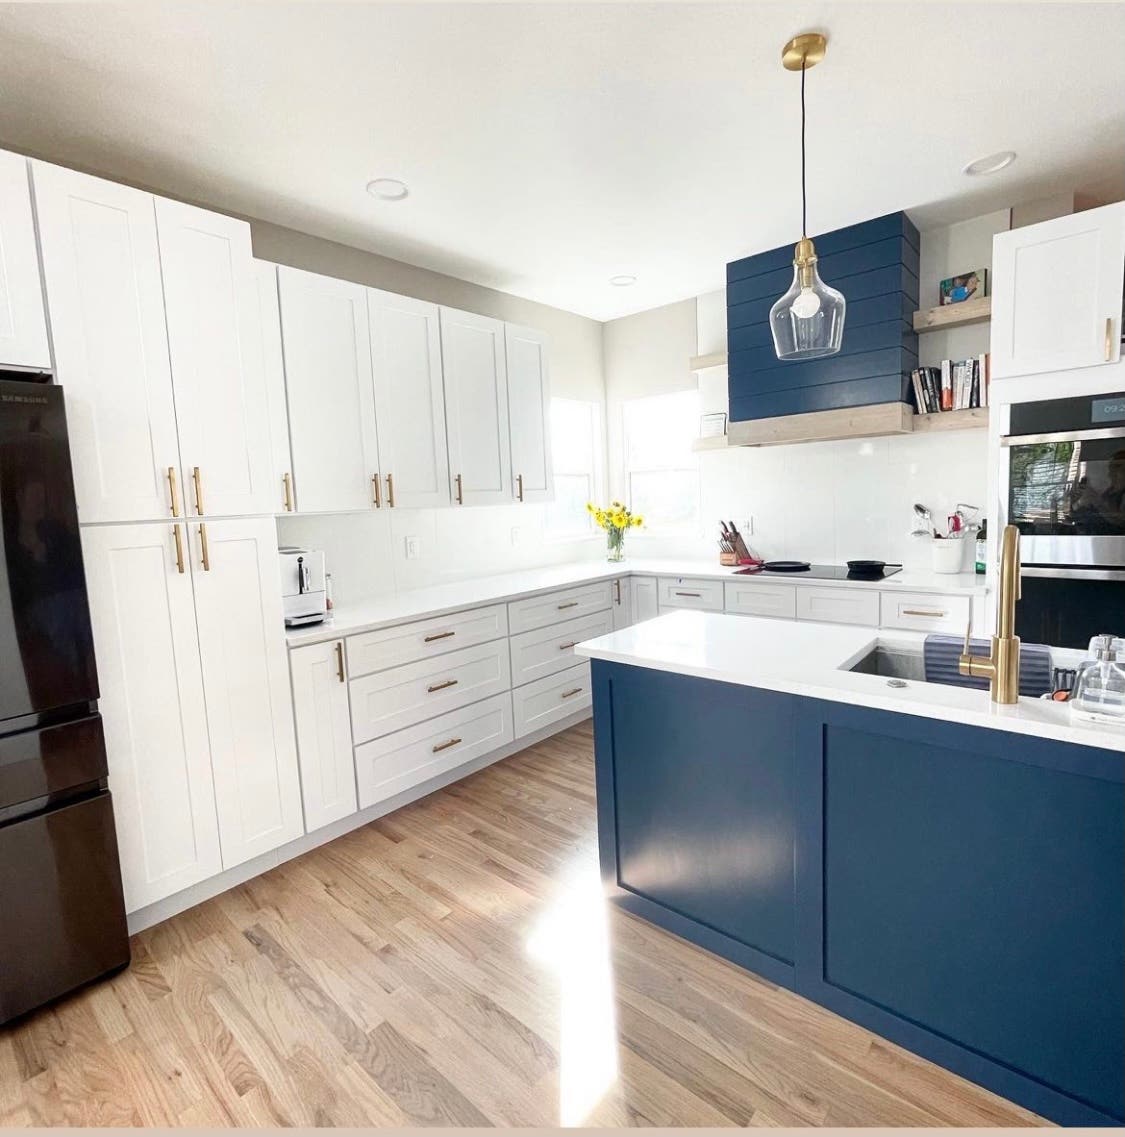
(548, 147)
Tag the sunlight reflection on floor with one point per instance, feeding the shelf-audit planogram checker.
(572, 939)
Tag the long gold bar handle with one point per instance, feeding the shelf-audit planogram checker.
(442, 686)
(445, 745)
(923, 612)
(1108, 338)
(287, 482)
(438, 636)
(460, 491)
(195, 477)
(391, 490)
(204, 548)
(376, 493)
(340, 660)
(179, 549)
(617, 591)
(519, 486)
(568, 646)
(172, 491)
(572, 691)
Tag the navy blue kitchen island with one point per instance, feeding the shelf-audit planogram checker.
(956, 889)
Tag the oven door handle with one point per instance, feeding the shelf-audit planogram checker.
(1063, 436)
(1055, 573)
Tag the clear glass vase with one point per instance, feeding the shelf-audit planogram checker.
(614, 544)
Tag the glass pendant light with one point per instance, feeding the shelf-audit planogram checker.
(808, 321)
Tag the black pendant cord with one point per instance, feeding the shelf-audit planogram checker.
(804, 203)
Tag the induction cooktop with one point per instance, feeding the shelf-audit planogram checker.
(817, 572)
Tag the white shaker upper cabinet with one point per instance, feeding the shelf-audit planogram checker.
(409, 400)
(214, 336)
(246, 682)
(529, 406)
(101, 268)
(476, 408)
(143, 616)
(1057, 293)
(23, 325)
(327, 345)
(282, 494)
(324, 732)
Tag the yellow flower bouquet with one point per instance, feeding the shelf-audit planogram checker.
(614, 520)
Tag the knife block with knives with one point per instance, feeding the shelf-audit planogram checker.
(732, 548)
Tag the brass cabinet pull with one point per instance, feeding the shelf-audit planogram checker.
(195, 477)
(568, 646)
(437, 636)
(617, 591)
(179, 549)
(205, 548)
(697, 595)
(287, 482)
(923, 612)
(376, 495)
(340, 660)
(460, 490)
(568, 604)
(442, 686)
(1108, 338)
(572, 691)
(519, 487)
(172, 491)
(391, 490)
(445, 745)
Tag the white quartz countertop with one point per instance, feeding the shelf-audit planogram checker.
(417, 604)
(810, 659)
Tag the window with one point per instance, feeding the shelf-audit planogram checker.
(661, 470)
(576, 447)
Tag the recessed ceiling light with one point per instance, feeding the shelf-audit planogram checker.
(387, 189)
(622, 281)
(991, 164)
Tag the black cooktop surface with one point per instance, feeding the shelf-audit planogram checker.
(821, 572)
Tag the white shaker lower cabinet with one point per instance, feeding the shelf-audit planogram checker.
(409, 400)
(551, 607)
(924, 612)
(529, 406)
(645, 603)
(544, 651)
(143, 614)
(546, 701)
(399, 761)
(101, 270)
(476, 408)
(754, 598)
(214, 338)
(838, 605)
(246, 682)
(324, 732)
(23, 324)
(691, 592)
(327, 346)
(622, 602)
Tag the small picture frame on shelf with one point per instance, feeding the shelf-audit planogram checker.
(967, 286)
(713, 425)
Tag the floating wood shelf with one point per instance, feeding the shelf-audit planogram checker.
(954, 315)
(976, 418)
(707, 362)
(823, 426)
(719, 442)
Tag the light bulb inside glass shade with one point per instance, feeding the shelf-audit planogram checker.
(808, 321)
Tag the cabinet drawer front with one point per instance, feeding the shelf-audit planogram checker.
(923, 612)
(838, 605)
(391, 700)
(422, 639)
(390, 765)
(547, 650)
(567, 604)
(690, 592)
(778, 600)
(547, 700)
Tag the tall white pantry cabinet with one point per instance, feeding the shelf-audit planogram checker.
(155, 318)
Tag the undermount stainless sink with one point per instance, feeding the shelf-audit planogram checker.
(893, 663)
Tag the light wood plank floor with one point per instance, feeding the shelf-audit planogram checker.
(454, 964)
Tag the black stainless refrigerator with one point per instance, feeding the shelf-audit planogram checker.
(62, 915)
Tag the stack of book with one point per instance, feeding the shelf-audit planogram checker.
(957, 385)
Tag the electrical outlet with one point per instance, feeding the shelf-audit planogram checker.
(413, 548)
(748, 527)
(517, 534)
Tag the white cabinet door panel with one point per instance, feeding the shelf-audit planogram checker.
(476, 408)
(546, 701)
(565, 604)
(838, 605)
(1057, 293)
(923, 611)
(324, 732)
(101, 269)
(758, 598)
(547, 650)
(246, 680)
(645, 604)
(327, 346)
(622, 602)
(214, 338)
(152, 708)
(23, 324)
(691, 592)
(273, 366)
(529, 406)
(409, 400)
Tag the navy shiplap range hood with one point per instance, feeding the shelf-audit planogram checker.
(865, 389)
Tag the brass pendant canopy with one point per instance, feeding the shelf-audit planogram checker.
(804, 51)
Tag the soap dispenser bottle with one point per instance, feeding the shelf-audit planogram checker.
(1099, 689)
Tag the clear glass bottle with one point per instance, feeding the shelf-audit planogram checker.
(1099, 689)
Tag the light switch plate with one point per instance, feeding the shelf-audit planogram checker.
(413, 548)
